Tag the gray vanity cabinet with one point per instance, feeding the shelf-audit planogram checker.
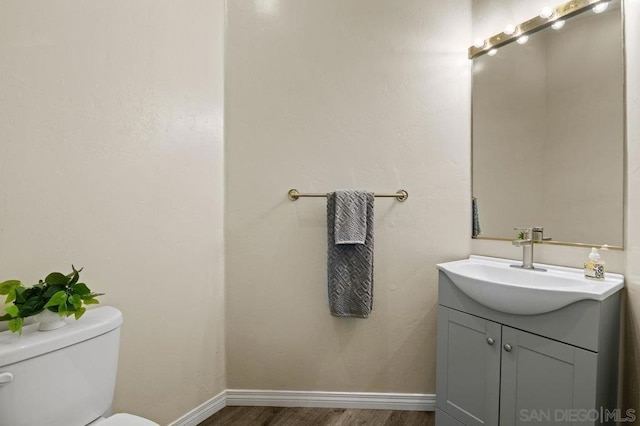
(542, 374)
(498, 369)
(468, 367)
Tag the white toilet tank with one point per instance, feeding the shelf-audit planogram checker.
(64, 377)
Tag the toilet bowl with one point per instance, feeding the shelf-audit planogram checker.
(63, 377)
(123, 419)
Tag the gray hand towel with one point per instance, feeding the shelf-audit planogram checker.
(475, 218)
(351, 217)
(350, 268)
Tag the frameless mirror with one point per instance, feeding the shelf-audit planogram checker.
(548, 133)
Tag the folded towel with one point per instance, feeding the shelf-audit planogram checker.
(351, 217)
(350, 267)
(475, 219)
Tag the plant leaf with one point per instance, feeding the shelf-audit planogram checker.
(80, 312)
(15, 325)
(6, 286)
(20, 294)
(80, 289)
(53, 289)
(91, 301)
(76, 301)
(74, 276)
(91, 295)
(58, 299)
(11, 296)
(31, 307)
(12, 310)
(56, 278)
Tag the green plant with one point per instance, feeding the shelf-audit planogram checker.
(58, 293)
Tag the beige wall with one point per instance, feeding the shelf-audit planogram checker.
(336, 94)
(111, 158)
(487, 17)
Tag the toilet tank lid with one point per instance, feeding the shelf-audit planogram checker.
(32, 343)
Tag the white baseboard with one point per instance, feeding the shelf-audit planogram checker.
(357, 400)
(202, 412)
(278, 398)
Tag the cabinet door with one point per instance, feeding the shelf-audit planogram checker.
(468, 371)
(545, 382)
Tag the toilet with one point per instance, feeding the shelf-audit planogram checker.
(64, 377)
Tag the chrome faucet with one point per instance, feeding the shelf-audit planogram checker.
(526, 242)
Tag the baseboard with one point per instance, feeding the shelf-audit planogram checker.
(202, 412)
(357, 400)
(278, 398)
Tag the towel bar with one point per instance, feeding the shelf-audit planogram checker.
(401, 195)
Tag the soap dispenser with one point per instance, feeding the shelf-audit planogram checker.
(594, 266)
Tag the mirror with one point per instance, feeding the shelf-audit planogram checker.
(548, 133)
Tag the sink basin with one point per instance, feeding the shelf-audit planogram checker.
(495, 284)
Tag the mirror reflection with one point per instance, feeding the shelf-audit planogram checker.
(548, 138)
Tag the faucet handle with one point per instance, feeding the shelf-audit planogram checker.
(537, 233)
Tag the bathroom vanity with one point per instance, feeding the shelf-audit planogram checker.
(501, 366)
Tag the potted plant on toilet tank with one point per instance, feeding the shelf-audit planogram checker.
(56, 297)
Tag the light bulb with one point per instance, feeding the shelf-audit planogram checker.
(557, 25)
(546, 13)
(510, 29)
(600, 7)
(522, 39)
(479, 43)
(492, 52)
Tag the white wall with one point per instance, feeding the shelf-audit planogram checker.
(335, 94)
(111, 158)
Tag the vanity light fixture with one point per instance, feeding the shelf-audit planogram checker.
(600, 7)
(554, 17)
(479, 43)
(546, 12)
(492, 52)
(510, 29)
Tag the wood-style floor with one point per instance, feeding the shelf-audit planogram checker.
(278, 416)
